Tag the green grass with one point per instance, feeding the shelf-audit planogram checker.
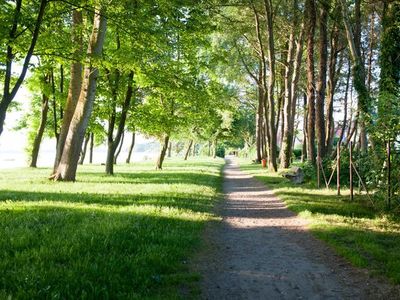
(367, 237)
(127, 236)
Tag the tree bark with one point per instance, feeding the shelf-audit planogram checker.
(114, 142)
(272, 139)
(39, 135)
(75, 84)
(8, 92)
(128, 159)
(321, 82)
(55, 118)
(161, 157)
(66, 169)
(305, 128)
(169, 149)
(188, 149)
(344, 124)
(91, 147)
(358, 71)
(119, 148)
(292, 72)
(332, 82)
(84, 148)
(310, 17)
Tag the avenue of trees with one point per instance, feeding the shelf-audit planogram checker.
(259, 74)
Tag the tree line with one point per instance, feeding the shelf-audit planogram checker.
(101, 68)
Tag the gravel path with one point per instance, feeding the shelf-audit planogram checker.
(263, 251)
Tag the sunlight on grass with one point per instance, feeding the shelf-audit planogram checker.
(122, 236)
(367, 237)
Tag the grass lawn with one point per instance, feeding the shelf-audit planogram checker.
(368, 238)
(124, 236)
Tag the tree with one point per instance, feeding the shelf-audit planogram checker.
(10, 88)
(66, 170)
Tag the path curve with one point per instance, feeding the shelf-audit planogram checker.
(264, 251)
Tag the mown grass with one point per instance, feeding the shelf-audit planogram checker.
(126, 236)
(367, 237)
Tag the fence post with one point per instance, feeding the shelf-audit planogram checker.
(389, 187)
(338, 169)
(351, 171)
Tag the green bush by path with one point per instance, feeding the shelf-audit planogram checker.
(127, 236)
(367, 237)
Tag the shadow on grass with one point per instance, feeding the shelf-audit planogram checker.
(151, 177)
(52, 252)
(194, 202)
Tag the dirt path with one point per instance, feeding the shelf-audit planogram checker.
(263, 251)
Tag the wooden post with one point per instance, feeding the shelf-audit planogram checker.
(351, 171)
(389, 187)
(338, 169)
(318, 173)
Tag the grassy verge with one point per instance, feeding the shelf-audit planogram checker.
(368, 238)
(125, 236)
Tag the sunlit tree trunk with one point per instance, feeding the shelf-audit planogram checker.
(39, 135)
(161, 157)
(128, 159)
(91, 148)
(310, 17)
(321, 81)
(75, 84)
(272, 139)
(84, 148)
(188, 149)
(67, 167)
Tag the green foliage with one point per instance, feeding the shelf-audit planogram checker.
(126, 236)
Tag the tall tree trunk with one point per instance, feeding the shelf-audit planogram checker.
(119, 148)
(55, 119)
(39, 135)
(66, 169)
(272, 141)
(161, 157)
(169, 149)
(332, 82)
(128, 159)
(91, 147)
(114, 142)
(321, 82)
(292, 72)
(84, 148)
(8, 91)
(259, 124)
(305, 128)
(358, 71)
(75, 84)
(188, 149)
(310, 17)
(344, 124)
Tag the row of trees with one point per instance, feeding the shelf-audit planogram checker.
(306, 60)
(100, 68)
(254, 71)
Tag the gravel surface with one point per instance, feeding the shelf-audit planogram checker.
(262, 250)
